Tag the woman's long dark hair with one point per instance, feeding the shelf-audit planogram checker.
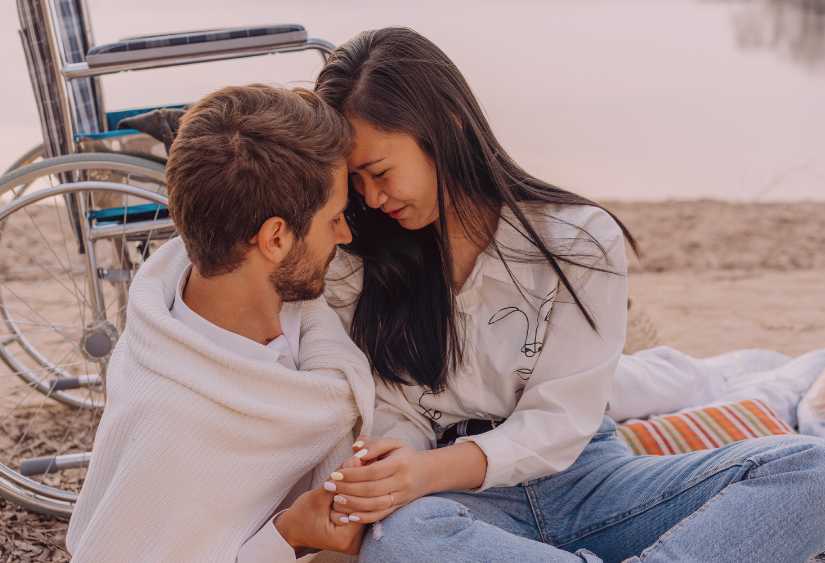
(405, 319)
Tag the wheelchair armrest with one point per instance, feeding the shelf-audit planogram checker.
(194, 43)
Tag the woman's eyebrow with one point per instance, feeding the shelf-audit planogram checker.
(370, 163)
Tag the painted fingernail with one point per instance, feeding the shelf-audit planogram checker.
(354, 518)
(340, 499)
(330, 486)
(337, 476)
(361, 453)
(358, 444)
(344, 519)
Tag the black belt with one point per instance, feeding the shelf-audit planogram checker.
(469, 427)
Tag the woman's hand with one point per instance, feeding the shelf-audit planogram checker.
(382, 476)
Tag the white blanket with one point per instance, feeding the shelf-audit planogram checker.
(198, 446)
(663, 380)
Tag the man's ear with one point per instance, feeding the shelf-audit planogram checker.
(274, 239)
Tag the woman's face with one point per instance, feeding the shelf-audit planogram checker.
(394, 175)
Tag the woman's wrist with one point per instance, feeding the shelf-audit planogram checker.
(433, 480)
(457, 467)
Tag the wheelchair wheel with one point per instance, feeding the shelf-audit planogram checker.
(40, 250)
(67, 254)
(28, 158)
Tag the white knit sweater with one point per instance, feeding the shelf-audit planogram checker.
(198, 446)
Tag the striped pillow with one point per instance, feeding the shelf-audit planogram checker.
(703, 428)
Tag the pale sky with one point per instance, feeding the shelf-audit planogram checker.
(637, 99)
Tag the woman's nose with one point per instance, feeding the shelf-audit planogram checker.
(373, 195)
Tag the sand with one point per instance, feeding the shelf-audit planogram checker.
(714, 277)
(720, 276)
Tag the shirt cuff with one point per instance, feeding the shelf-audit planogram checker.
(268, 546)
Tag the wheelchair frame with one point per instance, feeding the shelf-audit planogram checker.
(56, 37)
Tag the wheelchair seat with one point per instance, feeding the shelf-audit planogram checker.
(188, 43)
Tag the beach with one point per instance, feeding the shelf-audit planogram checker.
(717, 276)
(713, 277)
(648, 107)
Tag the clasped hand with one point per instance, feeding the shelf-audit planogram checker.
(383, 475)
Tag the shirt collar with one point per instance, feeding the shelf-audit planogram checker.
(513, 247)
(225, 338)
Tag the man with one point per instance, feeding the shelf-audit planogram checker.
(234, 389)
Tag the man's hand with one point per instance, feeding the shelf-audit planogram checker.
(309, 523)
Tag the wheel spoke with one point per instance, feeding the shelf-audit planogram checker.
(45, 284)
(32, 387)
(59, 214)
(77, 296)
(47, 322)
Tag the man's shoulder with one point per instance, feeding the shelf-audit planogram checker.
(343, 264)
(344, 279)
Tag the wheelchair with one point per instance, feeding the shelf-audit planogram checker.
(79, 214)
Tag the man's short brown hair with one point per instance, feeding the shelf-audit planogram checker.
(244, 154)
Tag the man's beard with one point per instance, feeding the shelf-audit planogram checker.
(298, 278)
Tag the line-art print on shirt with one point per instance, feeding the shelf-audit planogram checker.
(532, 346)
(433, 414)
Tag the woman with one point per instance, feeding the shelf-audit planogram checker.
(492, 307)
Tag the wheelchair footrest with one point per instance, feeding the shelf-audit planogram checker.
(68, 383)
(53, 463)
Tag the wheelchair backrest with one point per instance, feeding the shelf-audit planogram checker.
(54, 33)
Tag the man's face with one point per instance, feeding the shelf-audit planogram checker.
(300, 277)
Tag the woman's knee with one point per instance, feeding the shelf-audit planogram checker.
(798, 477)
(795, 450)
(423, 515)
(798, 461)
(812, 459)
(414, 527)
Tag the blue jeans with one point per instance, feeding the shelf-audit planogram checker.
(757, 500)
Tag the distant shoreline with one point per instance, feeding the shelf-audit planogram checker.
(721, 235)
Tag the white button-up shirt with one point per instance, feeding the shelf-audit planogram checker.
(531, 359)
(283, 349)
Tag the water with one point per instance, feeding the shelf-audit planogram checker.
(628, 99)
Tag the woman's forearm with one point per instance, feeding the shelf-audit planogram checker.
(457, 467)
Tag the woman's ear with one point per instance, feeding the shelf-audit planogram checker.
(274, 239)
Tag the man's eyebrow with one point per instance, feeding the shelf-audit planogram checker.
(370, 163)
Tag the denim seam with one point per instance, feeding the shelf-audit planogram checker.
(642, 508)
(538, 515)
